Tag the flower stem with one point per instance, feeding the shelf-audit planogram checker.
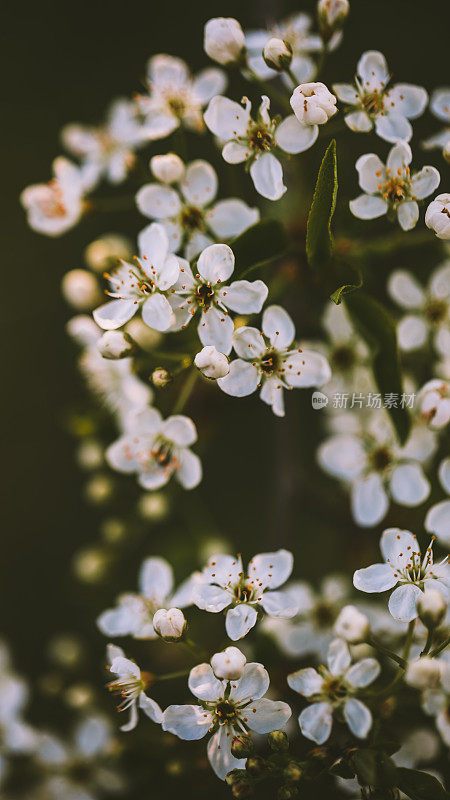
(171, 675)
(403, 658)
(428, 642)
(186, 391)
(441, 647)
(386, 652)
(268, 89)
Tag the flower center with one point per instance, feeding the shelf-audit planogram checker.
(343, 358)
(323, 615)
(244, 594)
(270, 362)
(204, 295)
(395, 190)
(335, 689)
(436, 310)
(226, 712)
(52, 204)
(380, 458)
(372, 102)
(192, 218)
(260, 139)
(163, 455)
(177, 105)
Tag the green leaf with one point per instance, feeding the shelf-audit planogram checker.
(346, 288)
(319, 240)
(376, 326)
(365, 765)
(263, 242)
(420, 785)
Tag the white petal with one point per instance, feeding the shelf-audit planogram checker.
(405, 289)
(408, 100)
(306, 682)
(150, 708)
(376, 578)
(226, 119)
(253, 684)
(397, 546)
(270, 570)
(208, 83)
(278, 327)
(248, 343)
(169, 272)
(204, 684)
(359, 121)
(229, 218)
(371, 172)
(167, 71)
(115, 313)
(363, 673)
(307, 369)
(294, 137)
(338, 658)
(342, 456)
(216, 263)
(240, 620)
(425, 182)
(437, 521)
(399, 157)
(153, 243)
(266, 715)
(211, 598)
(197, 241)
(393, 128)
(408, 214)
(357, 717)
(189, 472)
(157, 312)
(369, 500)
(156, 579)
(180, 429)
(154, 200)
(373, 70)
(316, 722)
(409, 486)
(411, 332)
(224, 570)
(440, 104)
(242, 379)
(444, 474)
(216, 328)
(219, 752)
(403, 602)
(279, 604)
(245, 297)
(131, 724)
(272, 393)
(235, 152)
(368, 206)
(187, 722)
(346, 93)
(267, 175)
(199, 184)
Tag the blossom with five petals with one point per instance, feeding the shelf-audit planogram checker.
(55, 207)
(428, 309)
(130, 684)
(295, 31)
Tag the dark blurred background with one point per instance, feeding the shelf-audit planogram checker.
(64, 62)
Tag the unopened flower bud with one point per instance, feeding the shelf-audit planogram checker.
(434, 399)
(446, 152)
(313, 103)
(104, 253)
(332, 14)
(432, 608)
(242, 745)
(277, 54)
(224, 40)
(80, 289)
(292, 772)
(161, 377)
(437, 216)
(146, 337)
(425, 673)
(256, 766)
(352, 625)
(169, 625)
(229, 664)
(278, 741)
(116, 344)
(212, 363)
(168, 168)
(235, 775)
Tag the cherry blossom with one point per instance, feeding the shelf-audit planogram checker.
(55, 207)
(130, 683)
(437, 520)
(440, 107)
(295, 31)
(427, 309)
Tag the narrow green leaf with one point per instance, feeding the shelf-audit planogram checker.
(346, 288)
(420, 785)
(377, 328)
(319, 240)
(262, 242)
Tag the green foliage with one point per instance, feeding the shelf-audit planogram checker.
(347, 288)
(420, 785)
(259, 244)
(376, 326)
(319, 239)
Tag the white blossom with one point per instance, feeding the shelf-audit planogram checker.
(55, 207)
(313, 103)
(212, 363)
(168, 168)
(332, 13)
(229, 664)
(253, 141)
(427, 309)
(437, 520)
(440, 107)
(142, 285)
(175, 98)
(437, 216)
(169, 624)
(352, 625)
(405, 571)
(392, 188)
(224, 40)
(225, 584)
(295, 31)
(423, 673)
(333, 690)
(115, 344)
(130, 683)
(80, 288)
(105, 252)
(208, 294)
(157, 449)
(371, 102)
(189, 214)
(271, 360)
(432, 608)
(226, 708)
(134, 614)
(434, 400)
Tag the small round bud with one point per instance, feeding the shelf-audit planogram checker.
(90, 454)
(292, 772)
(446, 152)
(116, 344)
(256, 766)
(161, 377)
(437, 216)
(146, 337)
(169, 625)
(224, 40)
(242, 746)
(235, 775)
(313, 103)
(424, 673)
(153, 506)
(168, 168)
(352, 625)
(99, 489)
(80, 289)
(90, 565)
(434, 402)
(229, 665)
(278, 741)
(104, 253)
(277, 54)
(212, 363)
(332, 14)
(432, 608)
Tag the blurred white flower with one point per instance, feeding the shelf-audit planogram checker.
(333, 690)
(295, 31)
(191, 218)
(252, 141)
(226, 709)
(427, 309)
(440, 107)
(80, 288)
(130, 684)
(434, 400)
(224, 40)
(352, 625)
(370, 102)
(391, 187)
(432, 608)
(437, 520)
(212, 363)
(437, 216)
(313, 103)
(405, 569)
(55, 207)
(271, 360)
(332, 13)
(423, 673)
